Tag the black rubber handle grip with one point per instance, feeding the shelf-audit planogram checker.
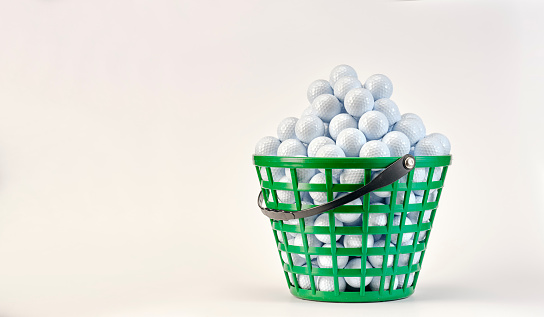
(389, 175)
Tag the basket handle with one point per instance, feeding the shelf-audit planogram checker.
(389, 175)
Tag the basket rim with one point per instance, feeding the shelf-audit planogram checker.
(345, 162)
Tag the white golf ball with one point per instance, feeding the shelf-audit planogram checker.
(285, 196)
(341, 71)
(352, 176)
(358, 101)
(411, 116)
(341, 122)
(308, 221)
(375, 199)
(373, 124)
(375, 283)
(326, 107)
(401, 278)
(344, 85)
(443, 140)
(320, 178)
(405, 258)
(330, 150)
(377, 219)
(318, 87)
(291, 147)
(406, 236)
(356, 241)
(304, 280)
(297, 260)
(349, 217)
(325, 261)
(313, 242)
(374, 149)
(267, 146)
(412, 128)
(308, 111)
(327, 134)
(286, 129)
(323, 221)
(351, 140)
(355, 282)
(303, 174)
(400, 199)
(429, 147)
(326, 284)
(377, 260)
(277, 173)
(308, 128)
(397, 142)
(380, 86)
(389, 108)
(317, 143)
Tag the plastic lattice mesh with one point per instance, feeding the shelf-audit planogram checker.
(388, 232)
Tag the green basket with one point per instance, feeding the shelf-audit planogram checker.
(389, 286)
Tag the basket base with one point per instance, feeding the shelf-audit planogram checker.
(352, 297)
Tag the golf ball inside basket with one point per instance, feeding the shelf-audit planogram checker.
(373, 124)
(389, 109)
(286, 129)
(355, 282)
(267, 146)
(326, 107)
(308, 128)
(351, 140)
(291, 147)
(325, 261)
(341, 122)
(323, 221)
(397, 142)
(358, 101)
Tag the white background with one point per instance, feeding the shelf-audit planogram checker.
(127, 129)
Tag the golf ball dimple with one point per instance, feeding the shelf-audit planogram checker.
(308, 128)
(380, 86)
(344, 85)
(341, 122)
(291, 147)
(351, 140)
(389, 108)
(308, 111)
(326, 107)
(267, 146)
(341, 71)
(318, 87)
(358, 101)
(373, 124)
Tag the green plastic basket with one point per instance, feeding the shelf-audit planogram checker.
(431, 187)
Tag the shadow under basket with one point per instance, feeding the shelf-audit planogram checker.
(389, 236)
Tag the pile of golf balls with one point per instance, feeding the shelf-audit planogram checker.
(348, 117)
